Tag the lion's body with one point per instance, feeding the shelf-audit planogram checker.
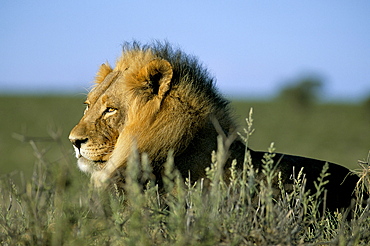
(158, 99)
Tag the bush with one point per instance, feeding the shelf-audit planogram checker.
(303, 93)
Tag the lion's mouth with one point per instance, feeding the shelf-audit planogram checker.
(93, 157)
(90, 166)
(92, 161)
(96, 161)
(87, 164)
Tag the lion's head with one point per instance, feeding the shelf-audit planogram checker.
(157, 99)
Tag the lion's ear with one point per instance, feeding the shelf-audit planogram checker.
(158, 74)
(103, 71)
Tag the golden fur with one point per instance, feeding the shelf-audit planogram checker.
(159, 99)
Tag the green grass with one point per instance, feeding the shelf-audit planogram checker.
(45, 200)
(38, 118)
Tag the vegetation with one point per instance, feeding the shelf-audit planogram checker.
(54, 205)
(302, 93)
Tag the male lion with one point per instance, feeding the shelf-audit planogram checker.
(159, 99)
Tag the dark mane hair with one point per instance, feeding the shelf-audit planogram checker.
(187, 69)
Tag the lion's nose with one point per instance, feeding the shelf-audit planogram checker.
(77, 142)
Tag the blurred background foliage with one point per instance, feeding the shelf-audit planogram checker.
(297, 120)
(302, 93)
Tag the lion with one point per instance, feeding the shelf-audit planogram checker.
(158, 99)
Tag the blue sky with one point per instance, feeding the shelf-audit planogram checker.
(253, 48)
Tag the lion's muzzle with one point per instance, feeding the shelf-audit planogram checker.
(90, 156)
(77, 143)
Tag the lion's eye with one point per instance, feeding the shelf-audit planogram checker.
(109, 110)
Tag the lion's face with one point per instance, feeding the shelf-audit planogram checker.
(95, 136)
(118, 103)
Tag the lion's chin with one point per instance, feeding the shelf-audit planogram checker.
(89, 166)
